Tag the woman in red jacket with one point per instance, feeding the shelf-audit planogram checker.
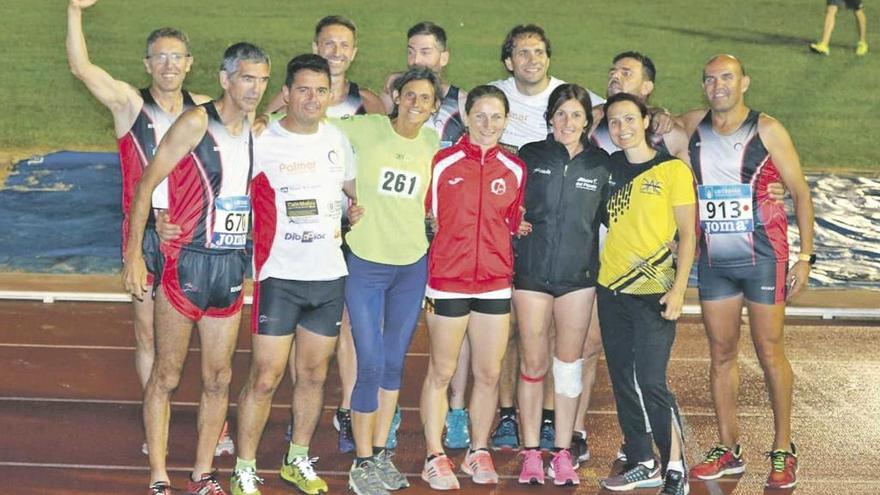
(475, 196)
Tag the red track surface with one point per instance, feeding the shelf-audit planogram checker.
(70, 410)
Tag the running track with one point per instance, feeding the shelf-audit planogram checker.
(70, 411)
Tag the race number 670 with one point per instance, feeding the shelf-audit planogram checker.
(235, 222)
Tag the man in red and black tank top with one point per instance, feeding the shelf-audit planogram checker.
(140, 119)
(206, 157)
(736, 153)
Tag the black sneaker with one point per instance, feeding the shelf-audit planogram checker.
(676, 484)
(633, 476)
(506, 434)
(580, 451)
(345, 437)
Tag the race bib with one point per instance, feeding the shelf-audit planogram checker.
(231, 216)
(398, 183)
(726, 209)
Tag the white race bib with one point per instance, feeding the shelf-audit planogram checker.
(231, 217)
(726, 209)
(396, 182)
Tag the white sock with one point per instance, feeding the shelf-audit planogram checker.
(675, 466)
(648, 464)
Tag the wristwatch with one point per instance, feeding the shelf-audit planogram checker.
(809, 258)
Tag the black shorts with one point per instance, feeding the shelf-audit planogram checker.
(850, 4)
(533, 284)
(204, 282)
(763, 283)
(280, 305)
(152, 254)
(454, 308)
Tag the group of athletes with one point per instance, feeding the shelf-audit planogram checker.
(560, 223)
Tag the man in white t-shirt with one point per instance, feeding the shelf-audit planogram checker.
(526, 56)
(301, 163)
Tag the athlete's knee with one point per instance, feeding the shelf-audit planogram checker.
(216, 381)
(534, 364)
(264, 381)
(364, 397)
(440, 372)
(313, 374)
(568, 377)
(165, 377)
(391, 377)
(487, 375)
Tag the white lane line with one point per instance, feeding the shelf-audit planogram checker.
(110, 467)
(112, 402)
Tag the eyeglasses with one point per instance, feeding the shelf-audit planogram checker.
(175, 58)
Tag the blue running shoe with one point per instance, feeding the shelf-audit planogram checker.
(391, 441)
(345, 437)
(506, 434)
(548, 435)
(457, 434)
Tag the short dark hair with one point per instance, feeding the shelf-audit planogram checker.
(564, 93)
(519, 31)
(648, 69)
(166, 32)
(643, 108)
(485, 90)
(428, 28)
(335, 20)
(306, 61)
(242, 50)
(416, 74)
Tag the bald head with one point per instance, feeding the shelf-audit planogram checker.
(725, 59)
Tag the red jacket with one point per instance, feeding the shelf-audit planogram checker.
(476, 201)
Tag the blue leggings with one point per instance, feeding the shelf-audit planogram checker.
(384, 303)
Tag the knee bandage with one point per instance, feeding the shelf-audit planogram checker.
(568, 378)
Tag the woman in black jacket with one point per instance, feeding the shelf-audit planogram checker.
(555, 273)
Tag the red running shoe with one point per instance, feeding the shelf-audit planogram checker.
(720, 461)
(783, 468)
(206, 485)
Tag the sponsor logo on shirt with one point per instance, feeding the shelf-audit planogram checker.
(455, 181)
(307, 236)
(543, 171)
(498, 186)
(653, 187)
(587, 184)
(235, 288)
(297, 168)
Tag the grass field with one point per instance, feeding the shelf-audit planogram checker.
(829, 104)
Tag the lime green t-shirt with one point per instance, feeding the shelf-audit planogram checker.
(393, 176)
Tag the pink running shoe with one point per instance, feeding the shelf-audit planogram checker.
(438, 473)
(532, 471)
(561, 469)
(478, 464)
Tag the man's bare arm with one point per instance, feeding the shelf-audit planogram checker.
(121, 98)
(372, 102)
(181, 138)
(782, 151)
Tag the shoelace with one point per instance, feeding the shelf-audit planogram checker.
(483, 461)
(777, 459)
(210, 485)
(248, 480)
(531, 456)
(160, 488)
(716, 453)
(562, 458)
(306, 467)
(507, 426)
(444, 466)
(672, 484)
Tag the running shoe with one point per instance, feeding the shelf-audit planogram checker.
(633, 476)
(478, 464)
(621, 455)
(300, 472)
(506, 434)
(861, 48)
(244, 482)
(391, 477)
(561, 469)
(720, 461)
(457, 435)
(580, 451)
(783, 468)
(206, 485)
(225, 445)
(820, 48)
(160, 488)
(676, 483)
(363, 479)
(391, 441)
(548, 435)
(438, 473)
(532, 471)
(344, 437)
